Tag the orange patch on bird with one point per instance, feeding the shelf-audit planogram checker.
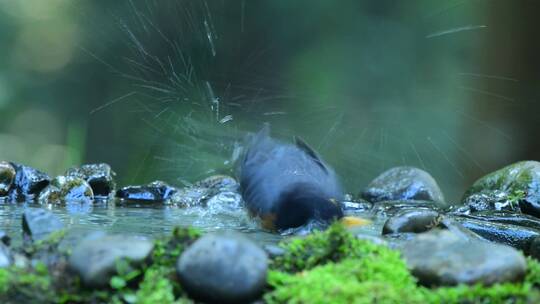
(268, 220)
(353, 221)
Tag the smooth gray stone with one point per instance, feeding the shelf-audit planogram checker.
(440, 258)
(94, 259)
(223, 268)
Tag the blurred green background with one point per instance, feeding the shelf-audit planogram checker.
(166, 89)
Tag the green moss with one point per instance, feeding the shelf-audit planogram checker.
(346, 270)
(332, 245)
(153, 282)
(24, 285)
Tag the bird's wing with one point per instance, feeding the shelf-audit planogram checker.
(302, 145)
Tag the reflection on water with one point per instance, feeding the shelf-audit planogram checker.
(111, 217)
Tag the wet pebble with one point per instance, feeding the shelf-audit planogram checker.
(189, 197)
(403, 183)
(223, 268)
(519, 237)
(155, 192)
(94, 259)
(520, 182)
(100, 177)
(5, 256)
(67, 189)
(7, 175)
(38, 223)
(439, 258)
(218, 183)
(390, 208)
(4, 238)
(28, 183)
(412, 220)
(357, 205)
(489, 200)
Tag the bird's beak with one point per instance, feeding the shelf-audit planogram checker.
(353, 221)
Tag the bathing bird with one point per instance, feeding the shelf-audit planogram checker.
(287, 185)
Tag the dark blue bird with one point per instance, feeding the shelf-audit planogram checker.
(287, 185)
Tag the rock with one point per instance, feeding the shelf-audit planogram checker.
(38, 224)
(412, 220)
(372, 238)
(489, 200)
(273, 251)
(223, 268)
(189, 197)
(7, 175)
(520, 182)
(28, 183)
(4, 238)
(100, 177)
(403, 183)
(218, 183)
(519, 237)
(358, 205)
(439, 258)
(5, 256)
(390, 208)
(67, 189)
(505, 217)
(50, 195)
(94, 259)
(534, 249)
(155, 192)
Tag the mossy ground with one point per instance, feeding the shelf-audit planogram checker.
(326, 267)
(335, 267)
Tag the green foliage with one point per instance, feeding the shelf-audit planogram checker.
(332, 245)
(22, 285)
(343, 269)
(154, 282)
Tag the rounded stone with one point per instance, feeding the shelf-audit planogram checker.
(403, 183)
(7, 175)
(223, 268)
(440, 258)
(94, 259)
(412, 220)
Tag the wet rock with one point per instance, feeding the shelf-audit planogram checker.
(100, 177)
(459, 230)
(518, 237)
(390, 208)
(534, 249)
(403, 183)
(223, 268)
(372, 238)
(218, 183)
(4, 238)
(67, 189)
(357, 205)
(439, 258)
(7, 176)
(28, 183)
(94, 259)
(489, 200)
(38, 223)
(412, 220)
(520, 182)
(504, 217)
(189, 197)
(273, 251)
(5, 256)
(155, 192)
